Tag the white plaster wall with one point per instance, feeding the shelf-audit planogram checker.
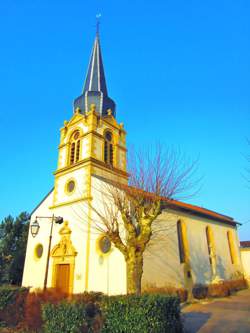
(80, 178)
(196, 229)
(161, 259)
(162, 266)
(108, 175)
(77, 216)
(107, 273)
(245, 257)
(34, 269)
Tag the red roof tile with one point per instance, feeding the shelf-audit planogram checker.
(178, 205)
(245, 244)
(199, 211)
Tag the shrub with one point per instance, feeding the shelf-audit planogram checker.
(222, 289)
(33, 306)
(12, 300)
(166, 290)
(236, 285)
(200, 291)
(141, 314)
(88, 297)
(33, 315)
(64, 317)
(50, 311)
(122, 314)
(218, 290)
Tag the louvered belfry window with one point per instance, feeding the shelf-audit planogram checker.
(75, 146)
(108, 149)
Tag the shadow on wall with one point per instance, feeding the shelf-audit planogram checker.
(221, 271)
(202, 270)
(200, 267)
(162, 260)
(162, 263)
(194, 321)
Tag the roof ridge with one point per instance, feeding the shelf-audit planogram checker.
(176, 203)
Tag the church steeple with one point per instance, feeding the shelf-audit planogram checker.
(95, 80)
(95, 89)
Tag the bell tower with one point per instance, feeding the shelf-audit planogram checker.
(92, 142)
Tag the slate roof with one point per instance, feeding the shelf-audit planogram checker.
(95, 88)
(95, 79)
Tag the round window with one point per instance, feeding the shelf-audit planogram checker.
(39, 251)
(104, 244)
(71, 186)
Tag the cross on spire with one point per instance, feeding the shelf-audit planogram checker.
(98, 17)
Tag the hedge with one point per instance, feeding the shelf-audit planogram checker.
(64, 317)
(118, 314)
(141, 314)
(12, 303)
(166, 290)
(93, 312)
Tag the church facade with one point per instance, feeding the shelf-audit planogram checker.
(198, 245)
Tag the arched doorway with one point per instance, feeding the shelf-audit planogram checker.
(63, 255)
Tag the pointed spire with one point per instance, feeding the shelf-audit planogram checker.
(95, 80)
(95, 89)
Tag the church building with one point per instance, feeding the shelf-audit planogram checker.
(201, 246)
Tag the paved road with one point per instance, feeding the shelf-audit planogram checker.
(225, 315)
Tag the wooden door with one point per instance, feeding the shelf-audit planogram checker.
(62, 278)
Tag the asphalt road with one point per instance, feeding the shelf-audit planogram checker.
(224, 315)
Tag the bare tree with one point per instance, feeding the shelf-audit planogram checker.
(129, 211)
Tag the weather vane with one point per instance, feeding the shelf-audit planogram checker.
(98, 16)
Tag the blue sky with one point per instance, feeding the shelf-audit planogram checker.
(179, 72)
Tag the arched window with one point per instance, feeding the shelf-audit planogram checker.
(231, 247)
(210, 245)
(182, 252)
(108, 148)
(211, 250)
(74, 149)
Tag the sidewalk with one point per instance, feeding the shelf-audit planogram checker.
(224, 315)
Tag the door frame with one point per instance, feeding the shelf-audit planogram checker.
(64, 253)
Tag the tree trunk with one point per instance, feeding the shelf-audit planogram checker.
(134, 271)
